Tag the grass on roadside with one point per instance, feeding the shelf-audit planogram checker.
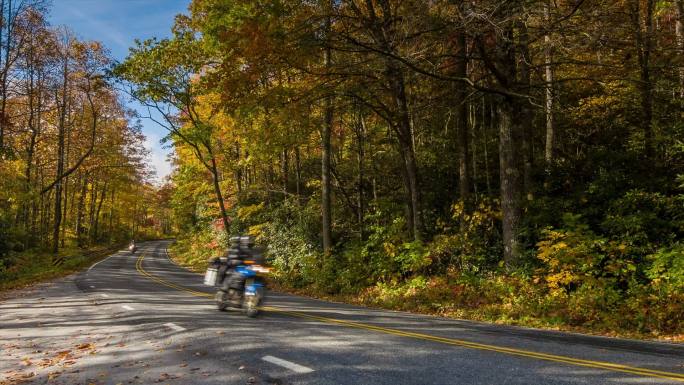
(36, 266)
(180, 252)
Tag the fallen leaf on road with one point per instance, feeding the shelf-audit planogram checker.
(53, 375)
(183, 365)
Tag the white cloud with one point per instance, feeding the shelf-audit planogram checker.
(157, 157)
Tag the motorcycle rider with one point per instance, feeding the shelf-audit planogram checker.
(132, 247)
(235, 256)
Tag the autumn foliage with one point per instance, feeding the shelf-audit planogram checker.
(514, 161)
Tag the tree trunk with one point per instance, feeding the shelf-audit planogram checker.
(404, 135)
(96, 227)
(285, 169)
(112, 203)
(8, 55)
(483, 132)
(462, 125)
(5, 20)
(326, 211)
(473, 147)
(548, 94)
(509, 159)
(360, 158)
(29, 165)
(91, 209)
(298, 174)
(679, 29)
(60, 151)
(219, 194)
(526, 116)
(644, 44)
(238, 171)
(65, 203)
(80, 210)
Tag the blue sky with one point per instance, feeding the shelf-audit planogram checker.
(116, 23)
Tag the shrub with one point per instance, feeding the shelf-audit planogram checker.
(290, 233)
(575, 255)
(476, 245)
(645, 219)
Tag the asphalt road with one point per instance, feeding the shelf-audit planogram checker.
(140, 319)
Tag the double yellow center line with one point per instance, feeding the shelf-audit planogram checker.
(676, 377)
(139, 268)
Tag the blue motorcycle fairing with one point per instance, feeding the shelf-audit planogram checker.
(252, 288)
(245, 271)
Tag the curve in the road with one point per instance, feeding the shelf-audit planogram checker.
(449, 341)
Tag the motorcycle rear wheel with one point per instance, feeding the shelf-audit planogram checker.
(221, 300)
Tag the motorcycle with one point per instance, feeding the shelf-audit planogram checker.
(132, 248)
(232, 293)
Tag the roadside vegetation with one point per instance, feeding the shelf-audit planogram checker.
(515, 162)
(34, 266)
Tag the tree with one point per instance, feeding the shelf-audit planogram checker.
(162, 75)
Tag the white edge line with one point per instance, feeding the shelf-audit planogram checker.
(104, 295)
(127, 307)
(166, 250)
(98, 262)
(175, 327)
(287, 364)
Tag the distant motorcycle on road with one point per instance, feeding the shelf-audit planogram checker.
(239, 277)
(132, 248)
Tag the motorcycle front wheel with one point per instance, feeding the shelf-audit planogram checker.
(252, 306)
(252, 303)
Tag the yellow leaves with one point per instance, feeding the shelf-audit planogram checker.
(257, 230)
(247, 212)
(390, 249)
(559, 279)
(313, 184)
